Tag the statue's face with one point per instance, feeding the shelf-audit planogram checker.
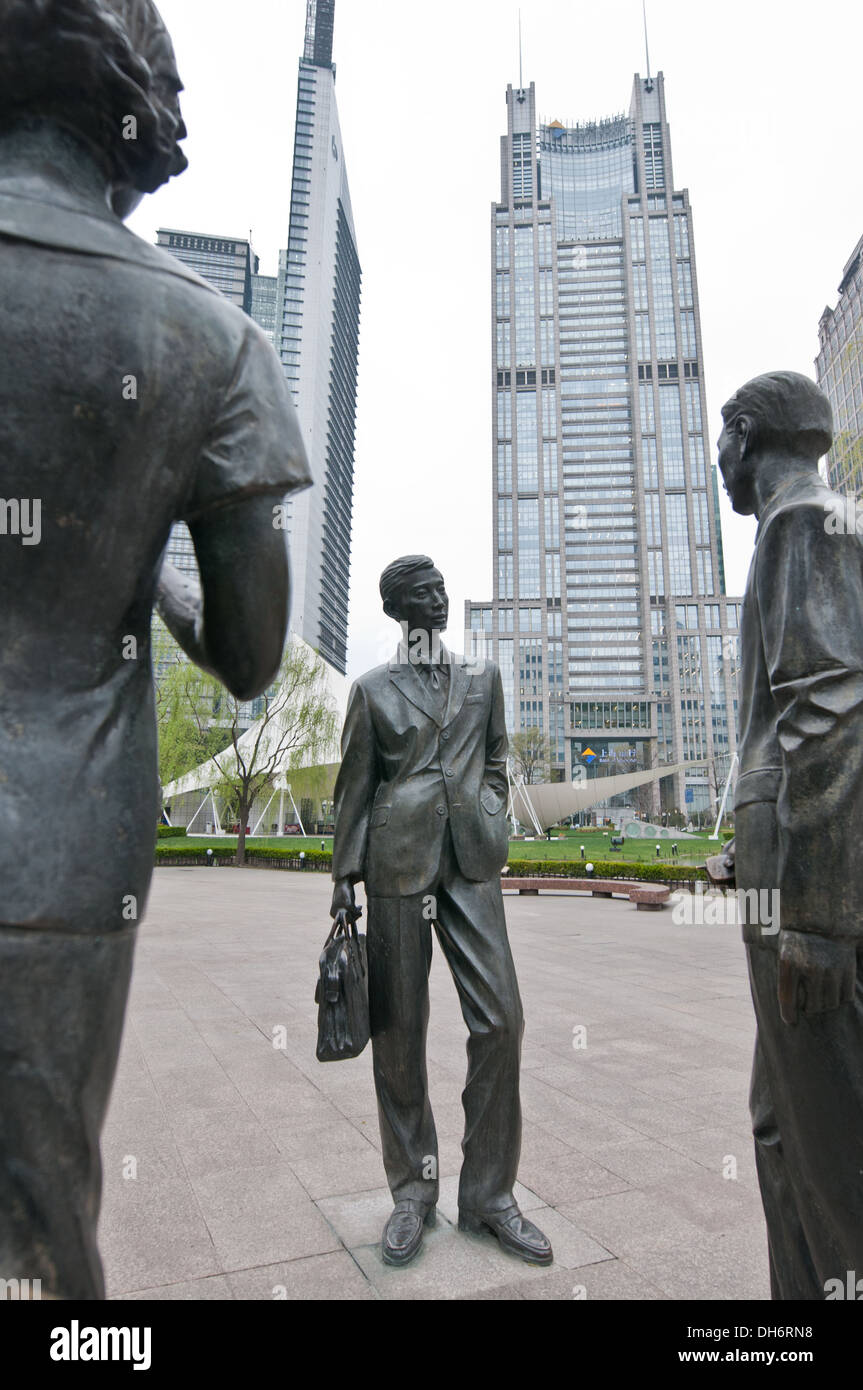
(736, 470)
(424, 603)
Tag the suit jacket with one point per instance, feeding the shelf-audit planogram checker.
(410, 767)
(801, 696)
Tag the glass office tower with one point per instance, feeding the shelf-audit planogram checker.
(609, 617)
(839, 372)
(317, 336)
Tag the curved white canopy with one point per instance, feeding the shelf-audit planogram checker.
(547, 803)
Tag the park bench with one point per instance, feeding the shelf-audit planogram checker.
(647, 897)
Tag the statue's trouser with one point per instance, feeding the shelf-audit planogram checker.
(471, 928)
(806, 1102)
(62, 1003)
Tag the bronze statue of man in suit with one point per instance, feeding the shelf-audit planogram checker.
(420, 806)
(798, 810)
(132, 395)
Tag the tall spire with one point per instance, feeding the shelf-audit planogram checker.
(320, 17)
(520, 82)
(646, 48)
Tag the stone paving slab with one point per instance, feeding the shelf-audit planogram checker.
(239, 1168)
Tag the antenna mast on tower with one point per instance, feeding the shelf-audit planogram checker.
(646, 47)
(520, 82)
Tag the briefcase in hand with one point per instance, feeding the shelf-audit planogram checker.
(342, 993)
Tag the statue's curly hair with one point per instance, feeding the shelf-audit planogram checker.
(90, 65)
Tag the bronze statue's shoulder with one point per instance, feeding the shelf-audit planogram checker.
(375, 678)
(63, 228)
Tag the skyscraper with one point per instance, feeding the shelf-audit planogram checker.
(839, 372)
(609, 618)
(317, 335)
(227, 263)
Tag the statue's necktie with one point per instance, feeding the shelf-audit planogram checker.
(431, 671)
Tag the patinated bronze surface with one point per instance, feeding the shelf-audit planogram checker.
(798, 810)
(131, 395)
(420, 806)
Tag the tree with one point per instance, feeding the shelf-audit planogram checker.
(530, 753)
(296, 723)
(646, 796)
(186, 738)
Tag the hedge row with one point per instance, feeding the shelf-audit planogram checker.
(170, 832)
(312, 856)
(321, 861)
(605, 868)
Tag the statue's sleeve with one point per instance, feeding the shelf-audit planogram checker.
(810, 598)
(497, 743)
(355, 789)
(254, 444)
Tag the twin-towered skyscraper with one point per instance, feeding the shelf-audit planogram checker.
(609, 617)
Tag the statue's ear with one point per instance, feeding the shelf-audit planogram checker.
(744, 431)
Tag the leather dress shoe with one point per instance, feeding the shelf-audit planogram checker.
(403, 1233)
(514, 1232)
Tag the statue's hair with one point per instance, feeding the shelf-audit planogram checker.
(784, 408)
(89, 65)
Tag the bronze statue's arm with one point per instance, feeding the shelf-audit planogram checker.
(353, 796)
(497, 743)
(234, 625)
(810, 595)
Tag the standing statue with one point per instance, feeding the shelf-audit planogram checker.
(799, 806)
(420, 805)
(131, 395)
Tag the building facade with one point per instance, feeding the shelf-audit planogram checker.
(609, 618)
(228, 263)
(317, 336)
(839, 372)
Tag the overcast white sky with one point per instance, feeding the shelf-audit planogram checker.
(764, 106)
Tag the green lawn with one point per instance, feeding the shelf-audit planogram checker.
(596, 846)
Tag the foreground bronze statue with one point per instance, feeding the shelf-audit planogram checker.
(798, 813)
(131, 395)
(420, 805)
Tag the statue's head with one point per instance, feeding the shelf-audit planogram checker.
(104, 70)
(780, 412)
(413, 592)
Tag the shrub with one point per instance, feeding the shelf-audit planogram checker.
(193, 853)
(312, 856)
(609, 868)
(170, 832)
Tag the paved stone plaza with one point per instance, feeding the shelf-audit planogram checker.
(258, 1170)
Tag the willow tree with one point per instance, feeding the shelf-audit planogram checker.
(189, 734)
(530, 755)
(295, 724)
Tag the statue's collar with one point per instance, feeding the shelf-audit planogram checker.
(65, 228)
(415, 654)
(789, 490)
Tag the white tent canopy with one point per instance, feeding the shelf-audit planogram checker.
(547, 803)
